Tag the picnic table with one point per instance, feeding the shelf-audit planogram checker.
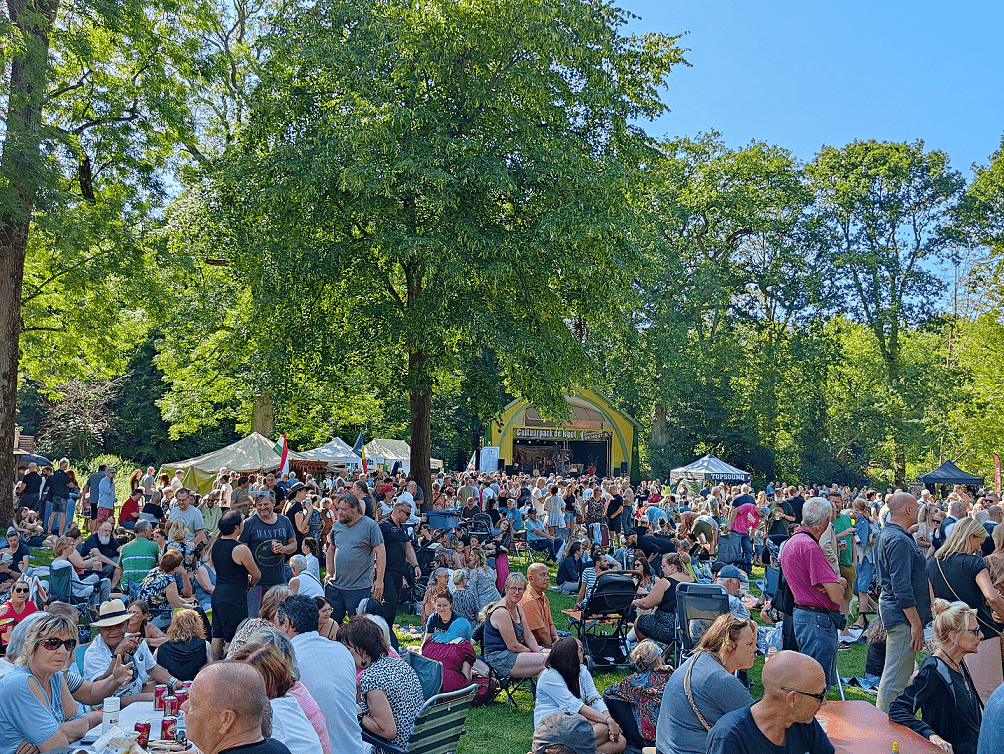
(858, 727)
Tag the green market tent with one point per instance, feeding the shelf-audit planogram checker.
(252, 453)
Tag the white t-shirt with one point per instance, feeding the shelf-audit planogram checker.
(537, 496)
(329, 673)
(227, 492)
(98, 657)
(291, 726)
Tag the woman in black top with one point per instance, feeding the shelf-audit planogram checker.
(943, 689)
(185, 652)
(236, 571)
(958, 572)
(661, 625)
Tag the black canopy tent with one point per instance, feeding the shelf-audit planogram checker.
(949, 473)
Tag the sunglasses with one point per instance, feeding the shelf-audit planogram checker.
(53, 644)
(818, 697)
(20, 591)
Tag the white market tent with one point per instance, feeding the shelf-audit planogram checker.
(710, 468)
(334, 453)
(388, 452)
(249, 454)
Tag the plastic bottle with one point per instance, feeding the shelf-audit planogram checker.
(110, 713)
(895, 748)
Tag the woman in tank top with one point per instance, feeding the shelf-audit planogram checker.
(236, 571)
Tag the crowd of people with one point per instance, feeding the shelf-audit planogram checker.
(226, 588)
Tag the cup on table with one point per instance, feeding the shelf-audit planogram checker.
(823, 722)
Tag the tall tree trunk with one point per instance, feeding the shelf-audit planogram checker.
(659, 431)
(20, 171)
(262, 416)
(420, 398)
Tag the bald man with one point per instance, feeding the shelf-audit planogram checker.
(905, 603)
(225, 711)
(794, 690)
(536, 606)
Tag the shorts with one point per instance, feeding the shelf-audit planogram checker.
(849, 573)
(94, 511)
(104, 514)
(864, 579)
(60, 504)
(501, 661)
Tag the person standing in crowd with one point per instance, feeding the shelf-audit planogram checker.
(326, 669)
(60, 486)
(269, 536)
(106, 496)
(296, 513)
(189, 515)
(958, 572)
(32, 489)
(354, 543)
(784, 720)
(240, 498)
(905, 602)
(401, 560)
(92, 491)
(225, 710)
(211, 511)
(536, 606)
(744, 519)
(236, 572)
(815, 586)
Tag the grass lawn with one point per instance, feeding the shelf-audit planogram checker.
(494, 729)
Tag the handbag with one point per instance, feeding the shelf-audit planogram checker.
(690, 696)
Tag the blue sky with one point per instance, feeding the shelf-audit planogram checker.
(801, 75)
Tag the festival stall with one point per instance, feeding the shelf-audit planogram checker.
(249, 454)
(949, 473)
(709, 469)
(385, 454)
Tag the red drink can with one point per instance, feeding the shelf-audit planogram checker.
(169, 729)
(170, 706)
(187, 686)
(143, 733)
(182, 696)
(159, 692)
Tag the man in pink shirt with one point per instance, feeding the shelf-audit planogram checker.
(744, 520)
(816, 588)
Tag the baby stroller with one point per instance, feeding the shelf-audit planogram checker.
(607, 607)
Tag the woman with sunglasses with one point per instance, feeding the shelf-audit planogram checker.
(943, 689)
(958, 572)
(15, 610)
(35, 702)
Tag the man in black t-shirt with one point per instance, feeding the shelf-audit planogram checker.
(270, 537)
(402, 563)
(784, 720)
(32, 485)
(796, 501)
(653, 546)
(780, 517)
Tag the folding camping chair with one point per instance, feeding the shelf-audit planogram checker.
(608, 604)
(730, 549)
(439, 725)
(697, 607)
(507, 684)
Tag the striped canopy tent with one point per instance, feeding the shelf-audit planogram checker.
(710, 468)
(249, 454)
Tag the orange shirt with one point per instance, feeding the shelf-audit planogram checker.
(538, 613)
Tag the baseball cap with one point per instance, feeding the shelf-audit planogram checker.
(731, 572)
(571, 730)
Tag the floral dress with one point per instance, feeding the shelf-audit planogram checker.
(481, 583)
(643, 691)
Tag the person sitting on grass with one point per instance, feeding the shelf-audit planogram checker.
(566, 685)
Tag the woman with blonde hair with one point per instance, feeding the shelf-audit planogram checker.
(481, 579)
(704, 688)
(176, 536)
(186, 650)
(266, 617)
(943, 689)
(959, 573)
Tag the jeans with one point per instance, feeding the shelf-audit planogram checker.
(393, 591)
(747, 544)
(568, 587)
(899, 662)
(816, 634)
(344, 601)
(544, 545)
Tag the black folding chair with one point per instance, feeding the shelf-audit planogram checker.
(697, 607)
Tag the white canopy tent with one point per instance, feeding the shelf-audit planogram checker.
(710, 468)
(337, 452)
(380, 452)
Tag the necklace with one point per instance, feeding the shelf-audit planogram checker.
(956, 666)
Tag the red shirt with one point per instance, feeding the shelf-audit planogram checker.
(805, 566)
(7, 611)
(129, 508)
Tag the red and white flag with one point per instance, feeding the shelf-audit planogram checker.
(282, 450)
